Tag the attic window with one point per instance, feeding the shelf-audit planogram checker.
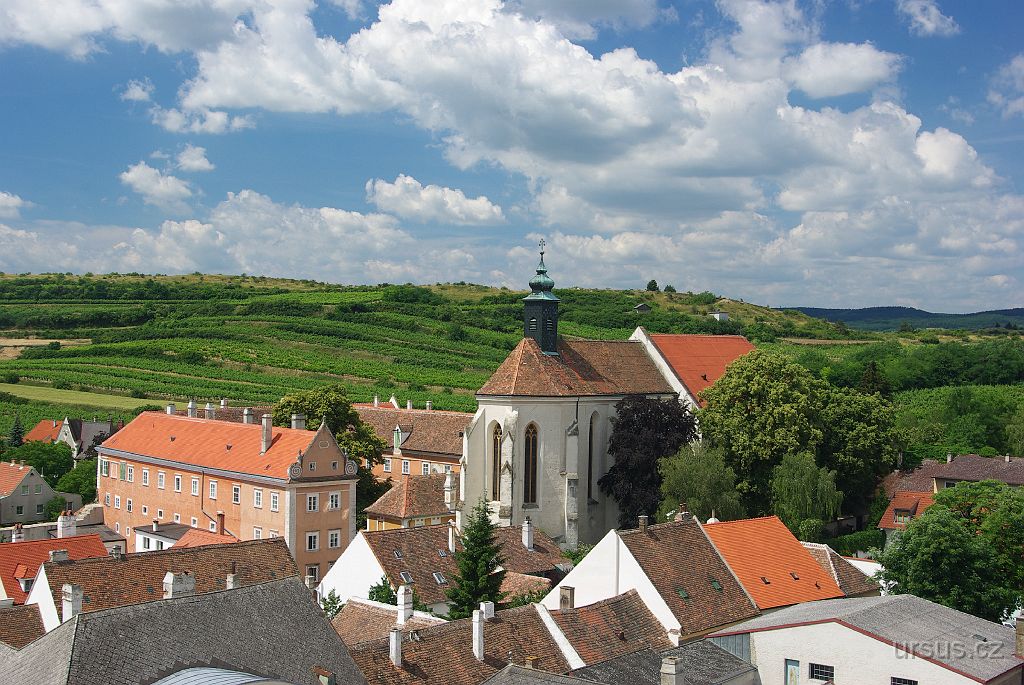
(683, 593)
(715, 584)
(405, 576)
(439, 577)
(334, 466)
(795, 576)
(228, 446)
(312, 466)
(398, 554)
(442, 553)
(172, 438)
(765, 580)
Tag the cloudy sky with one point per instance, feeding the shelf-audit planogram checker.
(819, 152)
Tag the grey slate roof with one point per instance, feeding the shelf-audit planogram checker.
(519, 675)
(274, 630)
(704, 663)
(912, 623)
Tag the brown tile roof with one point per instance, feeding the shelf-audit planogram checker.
(774, 568)
(519, 584)
(23, 559)
(421, 556)
(20, 624)
(46, 430)
(134, 578)
(612, 627)
(361, 620)
(196, 537)
(905, 500)
(700, 360)
(679, 559)
(444, 653)
(414, 496)
(918, 480)
(581, 368)
(430, 431)
(851, 581)
(973, 467)
(11, 475)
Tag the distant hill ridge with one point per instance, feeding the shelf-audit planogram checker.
(891, 318)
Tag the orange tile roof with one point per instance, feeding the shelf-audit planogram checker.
(11, 475)
(198, 538)
(209, 443)
(700, 360)
(906, 500)
(763, 549)
(44, 431)
(23, 559)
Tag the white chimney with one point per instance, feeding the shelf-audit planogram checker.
(170, 409)
(1007, 458)
(223, 403)
(156, 525)
(430, 405)
(115, 552)
(478, 634)
(179, 584)
(54, 422)
(72, 601)
(396, 647)
(299, 422)
(449, 491)
(18, 534)
(451, 537)
(376, 400)
(949, 457)
(487, 609)
(232, 580)
(528, 534)
(404, 604)
(210, 412)
(192, 408)
(566, 597)
(66, 525)
(408, 404)
(672, 671)
(268, 433)
(248, 416)
(59, 555)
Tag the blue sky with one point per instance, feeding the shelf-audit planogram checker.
(844, 153)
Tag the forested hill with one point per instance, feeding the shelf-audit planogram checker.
(897, 318)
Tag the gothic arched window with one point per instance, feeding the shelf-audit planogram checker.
(530, 464)
(496, 462)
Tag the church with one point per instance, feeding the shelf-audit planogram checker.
(538, 442)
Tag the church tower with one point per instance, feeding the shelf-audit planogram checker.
(540, 313)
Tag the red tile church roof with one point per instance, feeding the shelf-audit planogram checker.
(700, 360)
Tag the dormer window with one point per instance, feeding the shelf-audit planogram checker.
(794, 575)
(902, 516)
(405, 576)
(716, 585)
(398, 554)
(439, 578)
(765, 580)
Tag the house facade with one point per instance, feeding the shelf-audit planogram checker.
(251, 481)
(421, 441)
(78, 434)
(24, 494)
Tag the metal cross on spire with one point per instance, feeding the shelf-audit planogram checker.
(542, 244)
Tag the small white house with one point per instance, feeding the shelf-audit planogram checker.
(889, 640)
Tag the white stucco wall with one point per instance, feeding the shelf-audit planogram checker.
(609, 570)
(857, 658)
(354, 573)
(40, 594)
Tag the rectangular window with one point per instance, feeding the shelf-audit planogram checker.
(312, 502)
(405, 576)
(334, 501)
(177, 483)
(20, 509)
(145, 477)
(334, 539)
(195, 487)
(257, 533)
(104, 467)
(145, 543)
(901, 681)
(213, 526)
(195, 522)
(236, 494)
(177, 517)
(387, 464)
(405, 467)
(39, 507)
(274, 498)
(24, 489)
(131, 473)
(821, 672)
(160, 513)
(274, 533)
(117, 501)
(313, 571)
(123, 468)
(39, 488)
(425, 469)
(145, 510)
(159, 544)
(257, 498)
(313, 541)
(902, 516)
(213, 489)
(128, 505)
(117, 527)
(106, 500)
(160, 479)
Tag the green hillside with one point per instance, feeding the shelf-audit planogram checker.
(904, 318)
(254, 339)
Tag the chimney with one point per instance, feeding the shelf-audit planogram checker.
(72, 601)
(487, 609)
(311, 583)
(408, 404)
(248, 416)
(672, 671)
(192, 409)
(156, 525)
(66, 525)
(54, 422)
(376, 400)
(682, 514)
(430, 405)
(528, 534)
(404, 604)
(566, 597)
(396, 647)
(643, 523)
(478, 634)
(223, 403)
(170, 408)
(268, 433)
(449, 491)
(115, 552)
(530, 662)
(324, 677)
(299, 422)
(1007, 458)
(232, 581)
(451, 537)
(18, 534)
(179, 584)
(949, 457)
(210, 413)
(1019, 651)
(59, 555)
(220, 523)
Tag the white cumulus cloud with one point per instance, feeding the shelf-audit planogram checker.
(156, 188)
(138, 91)
(11, 205)
(193, 158)
(831, 69)
(408, 198)
(1007, 90)
(199, 120)
(926, 19)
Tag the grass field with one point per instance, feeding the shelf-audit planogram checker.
(49, 395)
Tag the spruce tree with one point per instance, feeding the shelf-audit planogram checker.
(477, 580)
(17, 436)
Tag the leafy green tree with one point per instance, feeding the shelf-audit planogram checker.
(54, 507)
(383, 592)
(874, 381)
(51, 461)
(331, 604)
(16, 438)
(938, 557)
(332, 405)
(670, 288)
(577, 555)
(698, 476)
(801, 490)
(652, 286)
(80, 480)
(478, 578)
(644, 431)
(1015, 433)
